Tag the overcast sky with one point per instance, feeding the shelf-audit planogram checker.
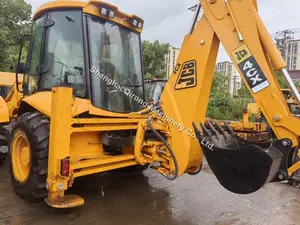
(169, 20)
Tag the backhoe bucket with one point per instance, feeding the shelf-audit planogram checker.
(242, 167)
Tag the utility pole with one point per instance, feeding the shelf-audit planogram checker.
(193, 8)
(282, 39)
(234, 86)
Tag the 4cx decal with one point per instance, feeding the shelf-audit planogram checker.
(250, 69)
(188, 75)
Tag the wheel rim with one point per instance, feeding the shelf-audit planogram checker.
(21, 156)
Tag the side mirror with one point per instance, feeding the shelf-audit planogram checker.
(48, 23)
(21, 68)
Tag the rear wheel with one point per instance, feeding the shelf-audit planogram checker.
(3, 144)
(2, 157)
(28, 155)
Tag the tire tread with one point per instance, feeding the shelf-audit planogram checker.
(36, 127)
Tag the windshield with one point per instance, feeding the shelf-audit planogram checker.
(117, 78)
(63, 51)
(153, 91)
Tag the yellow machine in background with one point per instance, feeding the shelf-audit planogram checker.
(83, 109)
(255, 131)
(9, 99)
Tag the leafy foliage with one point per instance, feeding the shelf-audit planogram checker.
(244, 92)
(224, 108)
(281, 80)
(221, 106)
(220, 86)
(14, 21)
(154, 59)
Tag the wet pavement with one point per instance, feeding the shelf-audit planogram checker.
(121, 199)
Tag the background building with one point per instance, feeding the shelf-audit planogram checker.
(289, 48)
(295, 75)
(290, 51)
(171, 59)
(235, 81)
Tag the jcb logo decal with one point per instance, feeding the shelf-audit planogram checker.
(250, 69)
(188, 76)
(241, 54)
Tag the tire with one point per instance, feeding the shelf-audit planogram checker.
(32, 128)
(3, 144)
(2, 157)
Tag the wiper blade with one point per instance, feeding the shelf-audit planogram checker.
(131, 85)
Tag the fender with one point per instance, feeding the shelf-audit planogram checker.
(41, 102)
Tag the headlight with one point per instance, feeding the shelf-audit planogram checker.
(137, 23)
(103, 11)
(107, 12)
(111, 14)
(140, 26)
(134, 22)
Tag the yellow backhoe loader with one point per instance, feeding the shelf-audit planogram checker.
(9, 99)
(83, 110)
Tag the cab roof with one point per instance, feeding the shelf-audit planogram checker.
(91, 7)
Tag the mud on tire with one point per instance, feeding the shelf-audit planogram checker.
(36, 128)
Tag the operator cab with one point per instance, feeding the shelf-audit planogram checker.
(93, 48)
(154, 89)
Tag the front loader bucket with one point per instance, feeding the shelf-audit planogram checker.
(241, 167)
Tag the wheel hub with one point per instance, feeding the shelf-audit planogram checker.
(20, 156)
(25, 156)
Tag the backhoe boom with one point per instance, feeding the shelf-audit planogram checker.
(237, 25)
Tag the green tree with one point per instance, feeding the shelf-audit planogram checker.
(220, 86)
(221, 106)
(154, 59)
(244, 92)
(14, 21)
(281, 80)
(219, 98)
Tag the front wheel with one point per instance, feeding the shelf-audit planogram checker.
(28, 155)
(2, 157)
(3, 144)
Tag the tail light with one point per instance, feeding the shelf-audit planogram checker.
(65, 167)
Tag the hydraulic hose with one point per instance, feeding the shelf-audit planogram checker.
(158, 135)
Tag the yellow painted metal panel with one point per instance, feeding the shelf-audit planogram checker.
(92, 8)
(4, 112)
(102, 161)
(104, 168)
